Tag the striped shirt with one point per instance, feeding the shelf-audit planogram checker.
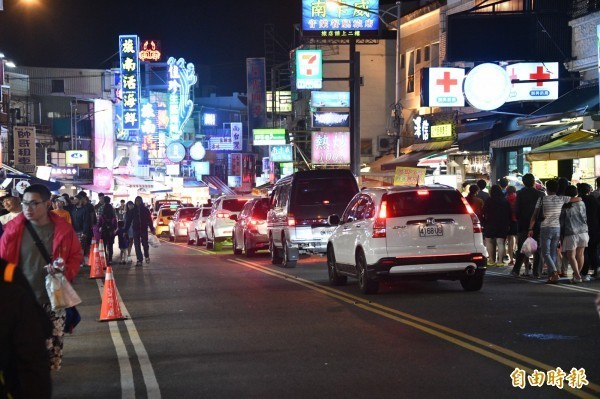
(551, 209)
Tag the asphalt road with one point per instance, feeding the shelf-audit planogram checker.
(205, 324)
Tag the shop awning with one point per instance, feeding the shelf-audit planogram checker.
(95, 189)
(160, 188)
(429, 146)
(410, 159)
(534, 136)
(476, 141)
(433, 161)
(584, 97)
(375, 166)
(52, 185)
(132, 181)
(576, 145)
(217, 184)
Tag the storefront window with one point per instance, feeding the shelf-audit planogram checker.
(511, 160)
(583, 171)
(526, 164)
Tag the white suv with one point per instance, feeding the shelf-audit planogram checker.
(407, 232)
(219, 225)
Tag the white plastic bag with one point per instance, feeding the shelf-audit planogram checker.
(529, 247)
(61, 292)
(153, 241)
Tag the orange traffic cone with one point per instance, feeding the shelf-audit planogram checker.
(102, 257)
(110, 310)
(101, 246)
(96, 270)
(92, 247)
(91, 256)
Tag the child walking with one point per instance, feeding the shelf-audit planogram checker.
(123, 238)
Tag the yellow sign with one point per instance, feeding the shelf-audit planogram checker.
(409, 176)
(439, 131)
(544, 169)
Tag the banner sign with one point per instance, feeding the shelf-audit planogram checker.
(104, 142)
(256, 92)
(130, 80)
(309, 69)
(533, 91)
(344, 19)
(330, 148)
(236, 136)
(332, 99)
(182, 77)
(331, 119)
(283, 101)
(24, 141)
(103, 178)
(268, 136)
(409, 176)
(281, 153)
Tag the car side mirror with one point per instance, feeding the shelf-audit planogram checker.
(333, 220)
(233, 217)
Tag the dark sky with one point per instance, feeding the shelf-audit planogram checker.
(84, 33)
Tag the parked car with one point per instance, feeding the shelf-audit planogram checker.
(197, 227)
(400, 232)
(171, 203)
(250, 229)
(298, 211)
(162, 220)
(178, 227)
(219, 226)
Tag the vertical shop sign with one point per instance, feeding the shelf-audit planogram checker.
(24, 140)
(257, 92)
(130, 80)
(234, 178)
(236, 136)
(182, 77)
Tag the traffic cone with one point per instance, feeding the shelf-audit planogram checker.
(101, 247)
(92, 247)
(110, 310)
(96, 270)
(91, 256)
(102, 258)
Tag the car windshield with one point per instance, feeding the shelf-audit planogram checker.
(234, 205)
(168, 212)
(205, 211)
(260, 209)
(429, 202)
(324, 191)
(187, 212)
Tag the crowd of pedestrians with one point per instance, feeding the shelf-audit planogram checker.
(43, 234)
(564, 220)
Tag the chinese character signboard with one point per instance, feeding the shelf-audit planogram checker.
(268, 136)
(539, 90)
(103, 178)
(281, 153)
(130, 80)
(182, 77)
(309, 69)
(344, 19)
(330, 148)
(323, 99)
(409, 176)
(234, 178)
(441, 131)
(236, 136)
(24, 137)
(104, 143)
(257, 92)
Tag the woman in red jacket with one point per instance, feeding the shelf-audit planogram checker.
(18, 246)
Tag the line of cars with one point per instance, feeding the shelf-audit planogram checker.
(374, 235)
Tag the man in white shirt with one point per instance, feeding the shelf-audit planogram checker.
(13, 206)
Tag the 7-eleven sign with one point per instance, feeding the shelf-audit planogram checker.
(445, 87)
(309, 69)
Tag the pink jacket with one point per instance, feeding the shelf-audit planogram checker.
(65, 243)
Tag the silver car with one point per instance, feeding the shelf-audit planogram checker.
(250, 231)
(197, 227)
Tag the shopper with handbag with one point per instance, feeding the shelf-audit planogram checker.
(141, 220)
(34, 240)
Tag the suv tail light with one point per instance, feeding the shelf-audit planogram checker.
(222, 215)
(379, 230)
(476, 223)
(291, 221)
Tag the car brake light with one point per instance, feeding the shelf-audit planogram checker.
(290, 219)
(422, 192)
(160, 222)
(476, 224)
(326, 202)
(379, 230)
(221, 215)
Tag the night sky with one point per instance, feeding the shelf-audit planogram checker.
(84, 33)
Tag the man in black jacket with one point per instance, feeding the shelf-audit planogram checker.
(82, 223)
(141, 220)
(527, 197)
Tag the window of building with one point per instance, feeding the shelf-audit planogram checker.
(418, 58)
(435, 55)
(366, 147)
(410, 73)
(426, 53)
(403, 61)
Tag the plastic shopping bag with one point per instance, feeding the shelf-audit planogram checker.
(61, 292)
(529, 247)
(153, 241)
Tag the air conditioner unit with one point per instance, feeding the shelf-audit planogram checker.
(385, 143)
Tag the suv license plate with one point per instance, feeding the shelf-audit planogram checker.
(431, 231)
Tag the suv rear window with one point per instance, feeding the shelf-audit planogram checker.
(187, 212)
(206, 211)
(168, 212)
(260, 209)
(324, 191)
(234, 205)
(434, 202)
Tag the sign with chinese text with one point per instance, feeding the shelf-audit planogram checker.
(150, 51)
(234, 178)
(221, 143)
(544, 169)
(257, 92)
(445, 87)
(344, 19)
(57, 172)
(182, 77)
(409, 176)
(330, 148)
(77, 157)
(539, 90)
(24, 140)
(330, 119)
(283, 101)
(441, 131)
(281, 153)
(130, 80)
(236, 136)
(103, 178)
(309, 69)
(104, 143)
(268, 136)
(331, 99)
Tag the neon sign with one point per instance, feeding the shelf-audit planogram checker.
(150, 51)
(130, 78)
(181, 77)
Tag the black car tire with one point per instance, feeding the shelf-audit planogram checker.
(209, 243)
(366, 285)
(289, 264)
(198, 240)
(472, 283)
(236, 250)
(248, 251)
(334, 278)
(171, 238)
(276, 258)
